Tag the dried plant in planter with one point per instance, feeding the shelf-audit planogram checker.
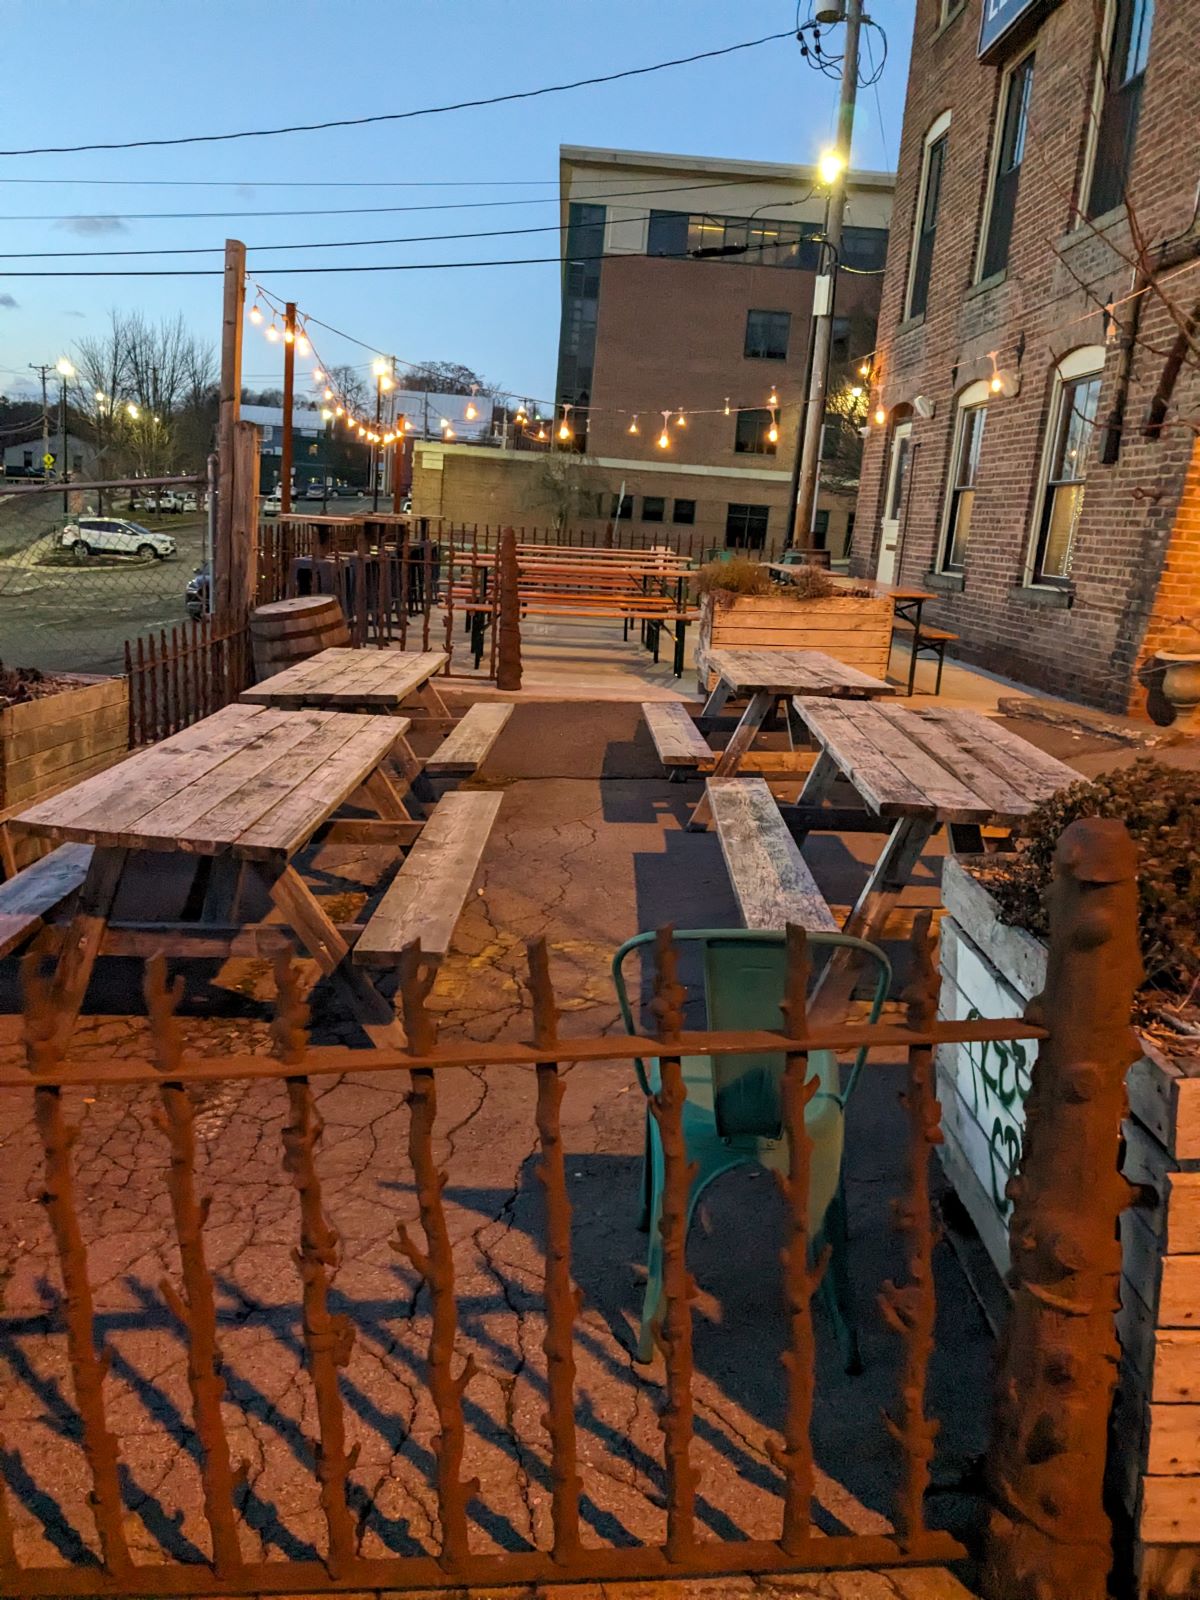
(1161, 808)
(726, 580)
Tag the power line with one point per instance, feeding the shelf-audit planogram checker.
(358, 211)
(398, 116)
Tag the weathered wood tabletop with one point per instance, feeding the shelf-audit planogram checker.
(918, 769)
(347, 680)
(767, 676)
(243, 791)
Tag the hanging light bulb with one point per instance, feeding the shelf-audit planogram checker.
(302, 345)
(338, 412)
(996, 384)
(773, 431)
(664, 438)
(387, 382)
(880, 416)
(289, 336)
(865, 370)
(471, 413)
(772, 398)
(633, 427)
(379, 366)
(273, 334)
(318, 375)
(256, 315)
(521, 417)
(564, 432)
(326, 414)
(449, 431)
(726, 405)
(329, 394)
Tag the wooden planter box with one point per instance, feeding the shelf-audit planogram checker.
(990, 969)
(51, 743)
(851, 628)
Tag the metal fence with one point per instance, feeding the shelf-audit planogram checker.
(69, 603)
(434, 1442)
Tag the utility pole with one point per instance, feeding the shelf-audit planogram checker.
(230, 576)
(812, 420)
(42, 371)
(289, 390)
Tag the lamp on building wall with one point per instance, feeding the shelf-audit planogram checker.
(923, 405)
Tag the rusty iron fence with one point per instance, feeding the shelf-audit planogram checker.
(451, 1559)
(180, 675)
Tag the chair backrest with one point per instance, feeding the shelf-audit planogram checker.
(744, 972)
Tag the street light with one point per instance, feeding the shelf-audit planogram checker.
(830, 166)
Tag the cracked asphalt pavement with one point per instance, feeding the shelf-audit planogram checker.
(589, 848)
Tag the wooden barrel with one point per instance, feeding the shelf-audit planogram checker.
(287, 631)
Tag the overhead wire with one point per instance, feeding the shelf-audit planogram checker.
(398, 116)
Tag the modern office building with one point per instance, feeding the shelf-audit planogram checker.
(687, 301)
(1034, 393)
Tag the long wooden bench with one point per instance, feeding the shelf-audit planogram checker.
(30, 899)
(770, 877)
(467, 746)
(426, 898)
(679, 742)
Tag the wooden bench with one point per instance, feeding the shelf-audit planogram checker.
(426, 898)
(467, 746)
(680, 744)
(926, 641)
(770, 877)
(29, 899)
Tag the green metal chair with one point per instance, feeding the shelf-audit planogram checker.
(733, 1115)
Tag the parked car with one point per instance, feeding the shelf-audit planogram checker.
(315, 491)
(272, 504)
(196, 597)
(114, 536)
(346, 491)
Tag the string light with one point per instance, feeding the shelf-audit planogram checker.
(726, 405)
(773, 431)
(664, 438)
(521, 417)
(772, 398)
(386, 383)
(996, 384)
(880, 415)
(633, 427)
(328, 394)
(326, 414)
(564, 432)
(318, 375)
(256, 315)
(289, 336)
(865, 370)
(338, 412)
(302, 345)
(450, 434)
(681, 421)
(541, 433)
(471, 412)
(273, 334)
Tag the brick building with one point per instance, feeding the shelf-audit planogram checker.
(1031, 455)
(688, 286)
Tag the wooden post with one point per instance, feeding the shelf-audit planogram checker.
(508, 619)
(1049, 1535)
(289, 390)
(230, 407)
(243, 548)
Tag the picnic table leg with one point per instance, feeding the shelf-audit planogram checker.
(887, 882)
(715, 703)
(222, 891)
(680, 637)
(430, 700)
(84, 936)
(303, 913)
(730, 759)
(816, 790)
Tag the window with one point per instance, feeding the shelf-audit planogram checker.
(820, 528)
(758, 240)
(27, 457)
(621, 509)
(767, 334)
(1069, 443)
(1010, 153)
(580, 308)
(684, 511)
(750, 438)
(1120, 102)
(964, 469)
(746, 527)
(928, 198)
(865, 249)
(653, 507)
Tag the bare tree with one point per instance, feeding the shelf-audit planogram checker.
(446, 377)
(567, 486)
(351, 389)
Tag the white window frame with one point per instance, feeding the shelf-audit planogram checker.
(994, 163)
(1086, 362)
(933, 133)
(971, 398)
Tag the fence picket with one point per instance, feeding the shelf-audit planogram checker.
(436, 1266)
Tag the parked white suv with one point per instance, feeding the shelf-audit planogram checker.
(116, 537)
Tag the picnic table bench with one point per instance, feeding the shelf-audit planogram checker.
(770, 877)
(242, 792)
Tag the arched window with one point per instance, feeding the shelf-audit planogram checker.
(970, 418)
(929, 194)
(1066, 453)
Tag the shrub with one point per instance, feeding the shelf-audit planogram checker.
(1161, 808)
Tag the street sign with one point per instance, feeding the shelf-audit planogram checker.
(47, 461)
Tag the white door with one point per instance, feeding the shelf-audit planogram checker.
(893, 503)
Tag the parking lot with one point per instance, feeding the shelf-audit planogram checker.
(60, 615)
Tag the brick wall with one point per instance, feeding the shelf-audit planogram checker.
(1059, 275)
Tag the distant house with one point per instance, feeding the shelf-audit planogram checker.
(24, 460)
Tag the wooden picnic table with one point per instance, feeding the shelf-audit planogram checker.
(244, 790)
(358, 680)
(916, 771)
(767, 676)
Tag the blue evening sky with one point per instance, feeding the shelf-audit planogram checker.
(131, 69)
